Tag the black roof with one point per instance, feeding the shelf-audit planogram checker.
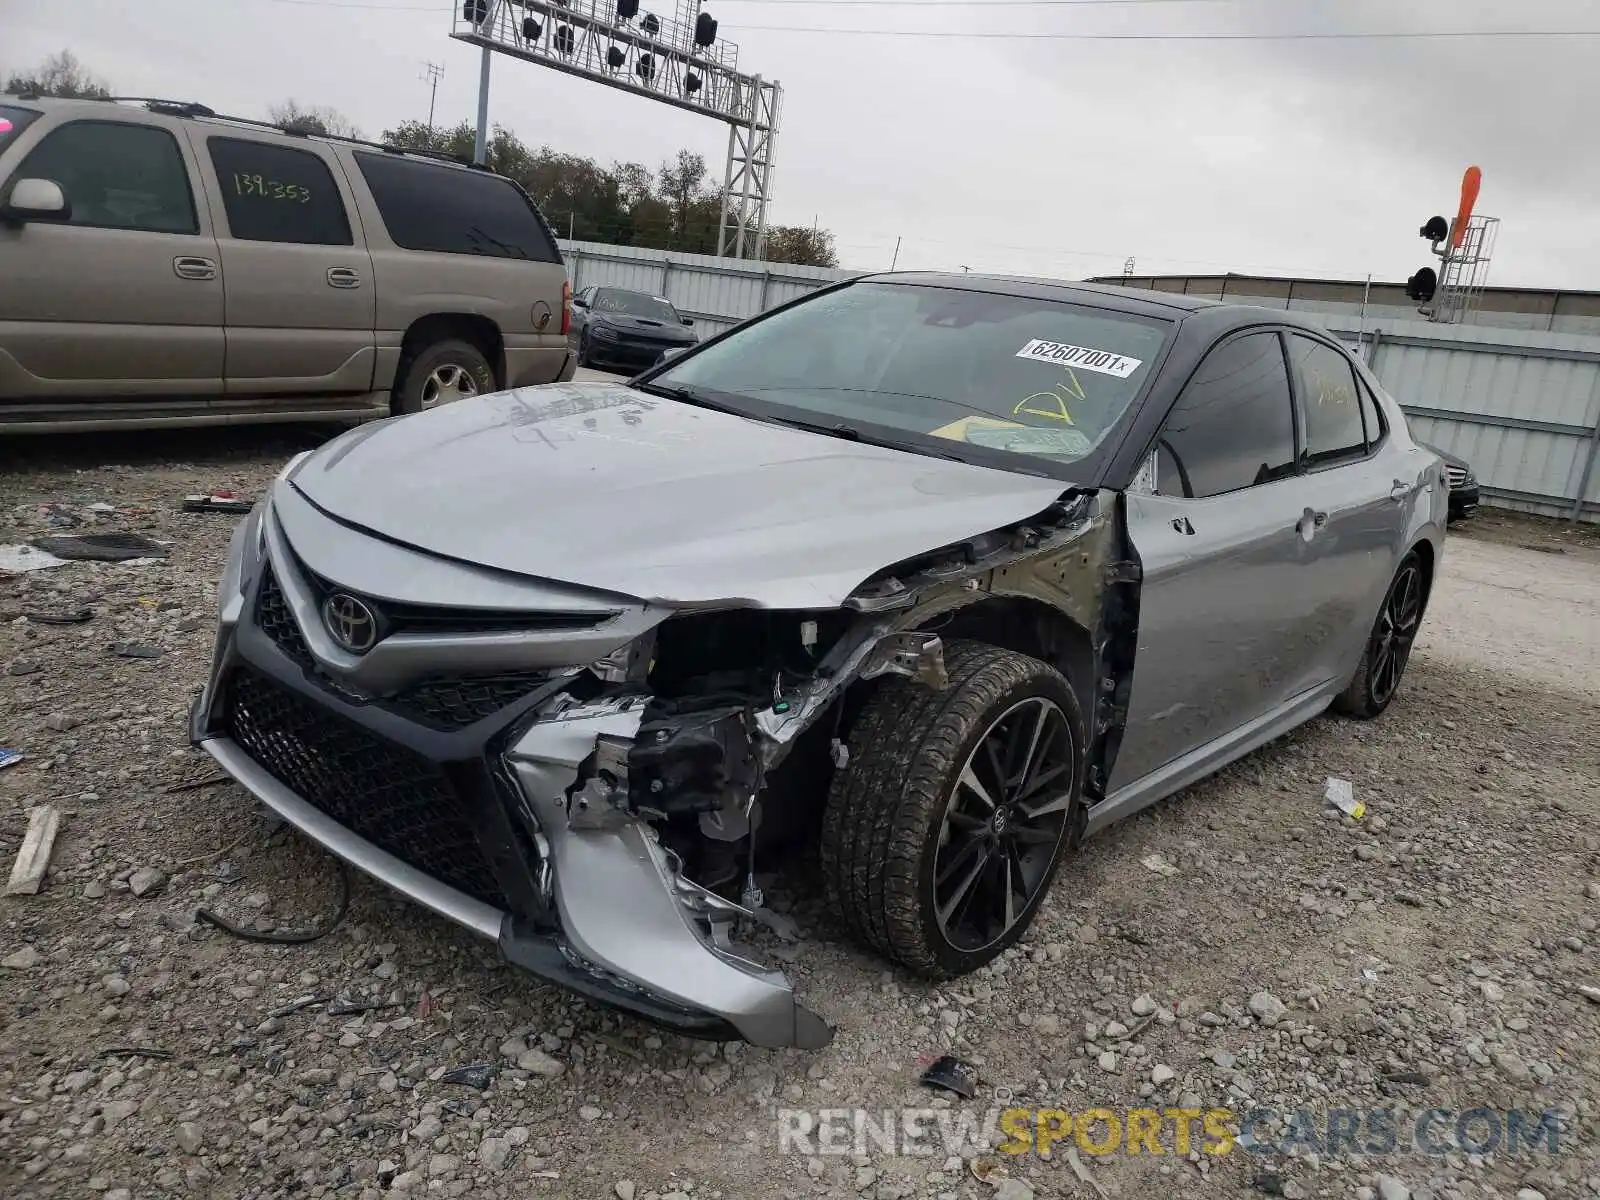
(1118, 299)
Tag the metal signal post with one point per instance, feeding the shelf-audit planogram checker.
(678, 61)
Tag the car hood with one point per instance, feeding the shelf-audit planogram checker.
(647, 326)
(606, 487)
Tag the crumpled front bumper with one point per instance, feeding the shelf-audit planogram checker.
(593, 902)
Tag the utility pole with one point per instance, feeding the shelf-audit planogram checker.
(431, 74)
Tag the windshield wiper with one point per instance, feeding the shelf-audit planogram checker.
(689, 394)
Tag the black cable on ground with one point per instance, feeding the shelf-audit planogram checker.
(291, 937)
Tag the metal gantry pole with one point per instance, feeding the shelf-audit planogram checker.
(480, 148)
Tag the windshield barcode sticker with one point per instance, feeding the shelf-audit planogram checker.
(1062, 354)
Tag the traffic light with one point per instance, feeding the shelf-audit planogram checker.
(705, 29)
(476, 11)
(1436, 230)
(627, 10)
(1421, 286)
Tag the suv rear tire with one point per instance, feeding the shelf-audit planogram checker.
(441, 373)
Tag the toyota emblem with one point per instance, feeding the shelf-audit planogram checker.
(350, 622)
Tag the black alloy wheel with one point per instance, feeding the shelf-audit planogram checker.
(1005, 817)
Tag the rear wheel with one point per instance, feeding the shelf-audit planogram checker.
(1388, 650)
(442, 373)
(942, 836)
(584, 354)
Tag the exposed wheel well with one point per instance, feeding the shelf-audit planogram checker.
(1029, 627)
(480, 331)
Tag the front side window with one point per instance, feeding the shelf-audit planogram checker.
(1329, 401)
(116, 175)
(1233, 425)
(278, 194)
(451, 210)
(635, 304)
(1034, 381)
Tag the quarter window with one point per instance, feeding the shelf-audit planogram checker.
(1329, 400)
(116, 175)
(453, 210)
(278, 194)
(1233, 426)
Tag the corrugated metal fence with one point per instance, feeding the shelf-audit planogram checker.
(1522, 406)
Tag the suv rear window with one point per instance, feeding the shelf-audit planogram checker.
(13, 121)
(450, 210)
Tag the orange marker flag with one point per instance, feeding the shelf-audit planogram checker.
(1470, 182)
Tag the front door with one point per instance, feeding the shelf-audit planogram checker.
(1224, 558)
(124, 297)
(301, 305)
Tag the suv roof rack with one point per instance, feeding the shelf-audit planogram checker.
(190, 109)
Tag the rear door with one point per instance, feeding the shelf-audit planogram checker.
(1358, 509)
(1226, 589)
(301, 303)
(451, 240)
(124, 298)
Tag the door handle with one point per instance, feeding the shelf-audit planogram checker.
(1401, 489)
(343, 277)
(185, 267)
(1310, 521)
(1183, 526)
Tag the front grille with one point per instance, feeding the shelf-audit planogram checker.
(380, 791)
(277, 622)
(1455, 476)
(449, 704)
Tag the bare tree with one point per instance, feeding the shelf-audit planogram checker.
(59, 75)
(318, 119)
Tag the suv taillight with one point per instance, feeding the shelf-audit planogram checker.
(566, 308)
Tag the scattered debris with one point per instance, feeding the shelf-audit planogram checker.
(18, 560)
(195, 784)
(297, 1005)
(101, 547)
(70, 616)
(9, 757)
(135, 1052)
(345, 1008)
(1268, 1182)
(952, 1075)
(988, 1170)
(1159, 864)
(146, 881)
(1341, 793)
(27, 873)
(22, 960)
(222, 502)
(288, 937)
(1081, 1172)
(1591, 994)
(131, 650)
(476, 1075)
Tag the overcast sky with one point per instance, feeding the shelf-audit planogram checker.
(1311, 157)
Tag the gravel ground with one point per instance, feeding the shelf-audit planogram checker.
(1430, 955)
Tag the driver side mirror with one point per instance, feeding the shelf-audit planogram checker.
(670, 353)
(577, 303)
(36, 200)
(688, 320)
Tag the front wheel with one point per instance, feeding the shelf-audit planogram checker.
(941, 837)
(1383, 662)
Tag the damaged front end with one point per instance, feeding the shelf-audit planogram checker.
(621, 806)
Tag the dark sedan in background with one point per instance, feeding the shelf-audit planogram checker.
(1463, 484)
(622, 330)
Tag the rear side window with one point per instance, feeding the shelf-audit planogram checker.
(1233, 426)
(1329, 400)
(278, 194)
(13, 121)
(1370, 417)
(449, 210)
(116, 175)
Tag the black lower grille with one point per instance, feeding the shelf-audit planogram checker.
(277, 622)
(451, 704)
(381, 791)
